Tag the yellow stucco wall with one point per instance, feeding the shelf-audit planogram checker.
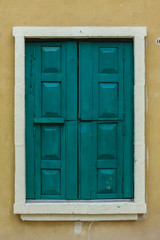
(79, 13)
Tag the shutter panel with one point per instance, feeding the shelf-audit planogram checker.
(85, 81)
(107, 81)
(50, 104)
(53, 134)
(85, 159)
(108, 160)
(101, 160)
(101, 144)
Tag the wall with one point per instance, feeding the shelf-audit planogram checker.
(79, 13)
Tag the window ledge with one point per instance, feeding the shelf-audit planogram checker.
(95, 211)
(76, 217)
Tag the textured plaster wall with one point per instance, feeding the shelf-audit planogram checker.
(79, 13)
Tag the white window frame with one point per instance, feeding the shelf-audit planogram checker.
(80, 210)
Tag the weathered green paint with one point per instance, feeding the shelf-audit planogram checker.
(79, 130)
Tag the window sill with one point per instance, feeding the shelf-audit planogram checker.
(95, 211)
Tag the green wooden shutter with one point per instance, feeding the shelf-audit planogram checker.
(102, 120)
(84, 153)
(51, 120)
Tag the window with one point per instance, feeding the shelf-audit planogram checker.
(73, 109)
(79, 120)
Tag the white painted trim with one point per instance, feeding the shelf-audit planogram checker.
(80, 208)
(19, 120)
(80, 211)
(76, 217)
(79, 32)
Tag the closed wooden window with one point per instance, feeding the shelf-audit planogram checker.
(79, 120)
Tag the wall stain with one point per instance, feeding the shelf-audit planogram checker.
(78, 228)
